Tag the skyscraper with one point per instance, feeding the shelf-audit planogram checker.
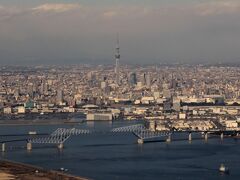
(148, 80)
(133, 79)
(59, 97)
(117, 57)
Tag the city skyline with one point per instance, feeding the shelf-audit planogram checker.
(79, 31)
(119, 89)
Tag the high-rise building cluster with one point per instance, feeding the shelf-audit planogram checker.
(125, 91)
(149, 92)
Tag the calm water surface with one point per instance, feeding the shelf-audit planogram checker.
(104, 155)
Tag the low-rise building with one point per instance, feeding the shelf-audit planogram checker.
(21, 110)
(7, 110)
(99, 116)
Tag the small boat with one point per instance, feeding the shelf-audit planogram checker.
(223, 169)
(63, 169)
(32, 132)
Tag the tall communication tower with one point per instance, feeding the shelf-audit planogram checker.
(117, 57)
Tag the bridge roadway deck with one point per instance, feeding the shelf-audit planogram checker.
(60, 135)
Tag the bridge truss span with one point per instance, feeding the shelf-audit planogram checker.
(128, 128)
(141, 131)
(59, 136)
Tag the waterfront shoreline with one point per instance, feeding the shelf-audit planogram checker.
(39, 123)
(21, 171)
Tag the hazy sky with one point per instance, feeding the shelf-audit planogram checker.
(151, 31)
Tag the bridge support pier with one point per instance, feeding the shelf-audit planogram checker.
(29, 146)
(190, 136)
(60, 146)
(3, 147)
(169, 139)
(206, 136)
(140, 141)
(221, 136)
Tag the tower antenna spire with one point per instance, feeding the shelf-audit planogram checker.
(117, 58)
(117, 40)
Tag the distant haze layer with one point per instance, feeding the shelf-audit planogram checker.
(150, 31)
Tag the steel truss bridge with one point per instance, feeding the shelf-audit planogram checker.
(141, 132)
(60, 135)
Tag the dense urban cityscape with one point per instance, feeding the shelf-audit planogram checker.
(196, 96)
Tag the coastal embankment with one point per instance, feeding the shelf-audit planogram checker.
(13, 170)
